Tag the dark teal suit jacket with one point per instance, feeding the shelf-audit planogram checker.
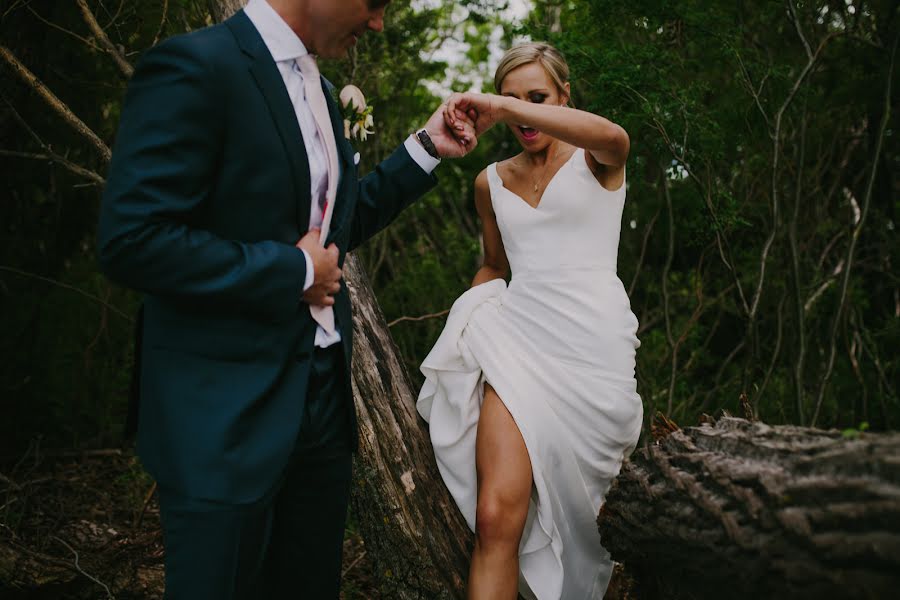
(207, 194)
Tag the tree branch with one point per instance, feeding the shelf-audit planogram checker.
(857, 231)
(55, 103)
(421, 318)
(53, 157)
(67, 287)
(124, 66)
(49, 153)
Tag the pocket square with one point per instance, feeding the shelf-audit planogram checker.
(356, 158)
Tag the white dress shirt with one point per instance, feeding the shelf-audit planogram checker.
(285, 47)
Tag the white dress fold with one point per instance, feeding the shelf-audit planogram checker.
(558, 345)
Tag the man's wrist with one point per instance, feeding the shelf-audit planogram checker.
(414, 147)
(310, 271)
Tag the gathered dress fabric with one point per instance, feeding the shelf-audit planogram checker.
(558, 346)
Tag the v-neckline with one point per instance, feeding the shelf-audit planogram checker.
(547, 187)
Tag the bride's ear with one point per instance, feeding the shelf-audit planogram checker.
(566, 94)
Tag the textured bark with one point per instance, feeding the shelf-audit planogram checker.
(417, 539)
(222, 9)
(746, 510)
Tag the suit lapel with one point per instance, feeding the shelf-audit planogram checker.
(271, 85)
(345, 162)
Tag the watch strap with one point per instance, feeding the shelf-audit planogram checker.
(425, 139)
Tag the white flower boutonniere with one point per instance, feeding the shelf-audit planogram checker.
(358, 121)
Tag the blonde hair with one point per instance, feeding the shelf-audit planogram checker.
(526, 53)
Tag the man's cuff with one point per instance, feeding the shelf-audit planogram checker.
(310, 275)
(418, 154)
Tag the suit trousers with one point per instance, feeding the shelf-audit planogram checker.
(288, 544)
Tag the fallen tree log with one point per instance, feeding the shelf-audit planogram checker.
(739, 509)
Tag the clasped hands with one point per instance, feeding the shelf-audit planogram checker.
(454, 129)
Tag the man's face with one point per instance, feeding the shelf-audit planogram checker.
(334, 26)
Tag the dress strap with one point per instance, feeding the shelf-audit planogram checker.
(494, 181)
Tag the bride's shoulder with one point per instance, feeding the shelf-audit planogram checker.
(509, 166)
(482, 184)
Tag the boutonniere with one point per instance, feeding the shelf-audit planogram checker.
(358, 121)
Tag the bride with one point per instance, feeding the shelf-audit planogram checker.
(530, 391)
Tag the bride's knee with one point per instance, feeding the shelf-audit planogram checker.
(499, 521)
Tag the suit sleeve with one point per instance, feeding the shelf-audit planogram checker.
(396, 182)
(151, 234)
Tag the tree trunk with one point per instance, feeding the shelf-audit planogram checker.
(414, 533)
(747, 510)
(220, 10)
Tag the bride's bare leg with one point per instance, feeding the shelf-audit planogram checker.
(504, 488)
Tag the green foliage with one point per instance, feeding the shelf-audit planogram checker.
(718, 113)
(698, 86)
(66, 333)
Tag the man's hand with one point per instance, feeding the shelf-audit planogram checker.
(451, 142)
(483, 111)
(326, 274)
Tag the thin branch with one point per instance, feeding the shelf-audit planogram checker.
(67, 287)
(798, 286)
(422, 318)
(670, 251)
(162, 22)
(857, 231)
(753, 91)
(822, 288)
(796, 21)
(49, 153)
(640, 262)
(14, 6)
(82, 571)
(776, 153)
(49, 23)
(53, 157)
(709, 393)
(147, 498)
(772, 362)
(354, 563)
(105, 42)
(55, 103)
(721, 241)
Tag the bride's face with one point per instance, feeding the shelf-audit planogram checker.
(532, 83)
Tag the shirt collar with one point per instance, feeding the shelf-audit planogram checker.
(280, 39)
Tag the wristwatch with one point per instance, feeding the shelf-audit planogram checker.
(426, 142)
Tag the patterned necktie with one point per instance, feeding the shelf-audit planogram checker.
(312, 85)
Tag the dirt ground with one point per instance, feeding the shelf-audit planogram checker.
(85, 525)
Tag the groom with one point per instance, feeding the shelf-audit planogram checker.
(231, 202)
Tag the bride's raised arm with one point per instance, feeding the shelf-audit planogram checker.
(606, 141)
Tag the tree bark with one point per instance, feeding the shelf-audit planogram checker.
(220, 10)
(747, 510)
(417, 539)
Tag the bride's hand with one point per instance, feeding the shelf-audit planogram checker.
(484, 109)
(451, 142)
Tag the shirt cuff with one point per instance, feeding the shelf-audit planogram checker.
(418, 154)
(310, 275)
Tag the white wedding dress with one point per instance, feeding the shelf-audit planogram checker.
(558, 345)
